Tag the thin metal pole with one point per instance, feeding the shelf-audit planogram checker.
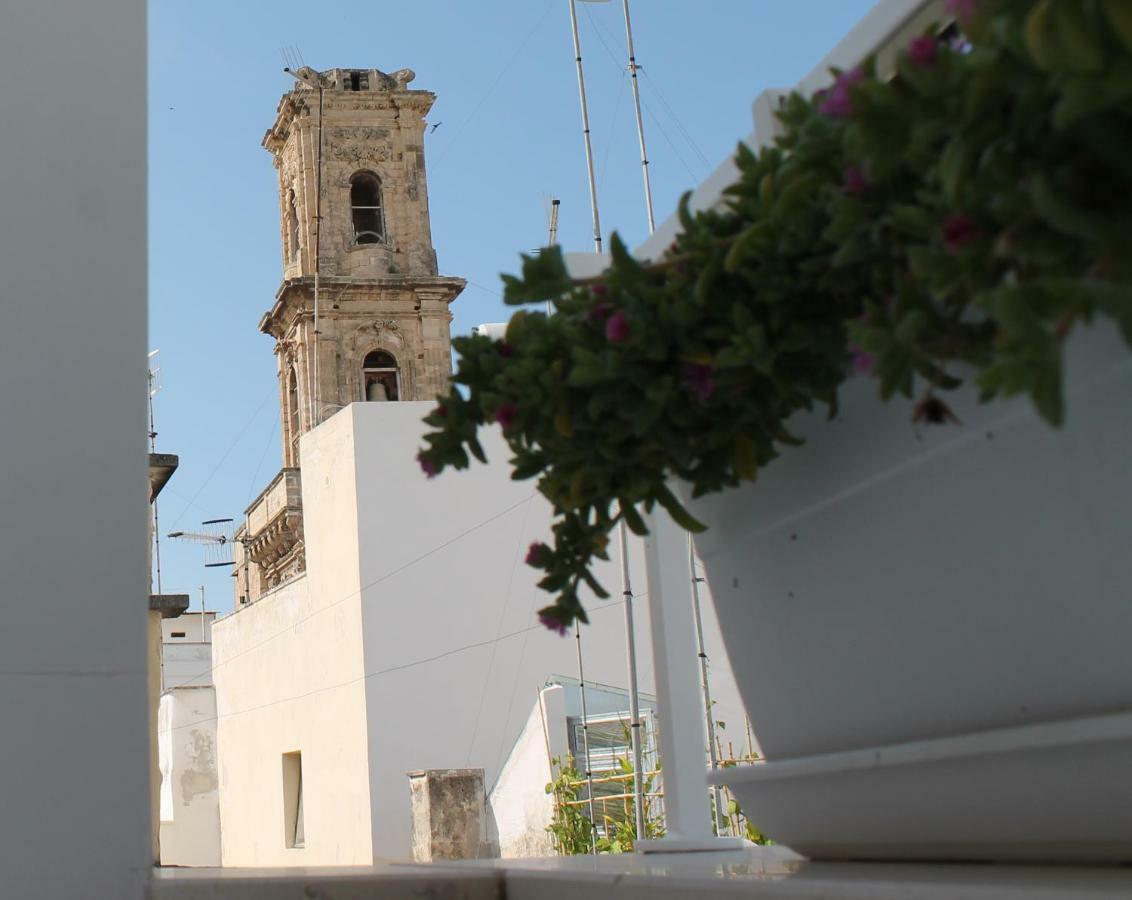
(634, 703)
(720, 820)
(317, 392)
(552, 237)
(203, 615)
(586, 740)
(586, 127)
(156, 523)
(640, 121)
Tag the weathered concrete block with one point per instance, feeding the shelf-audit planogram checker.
(449, 815)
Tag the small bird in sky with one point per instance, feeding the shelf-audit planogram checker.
(437, 125)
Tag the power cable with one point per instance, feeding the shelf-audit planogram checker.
(223, 457)
(499, 628)
(483, 97)
(368, 675)
(363, 588)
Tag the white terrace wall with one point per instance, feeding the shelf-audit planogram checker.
(412, 638)
(454, 655)
(288, 672)
(190, 796)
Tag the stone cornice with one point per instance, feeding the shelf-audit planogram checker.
(434, 288)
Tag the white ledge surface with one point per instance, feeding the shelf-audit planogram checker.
(758, 872)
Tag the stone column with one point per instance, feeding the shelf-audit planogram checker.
(449, 815)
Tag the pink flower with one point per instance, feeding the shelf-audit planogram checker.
(617, 328)
(957, 232)
(855, 182)
(427, 465)
(599, 312)
(506, 415)
(863, 362)
(963, 10)
(551, 622)
(838, 102)
(922, 51)
(535, 553)
(599, 289)
(698, 379)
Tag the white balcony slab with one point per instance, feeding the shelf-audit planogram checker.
(776, 873)
(382, 882)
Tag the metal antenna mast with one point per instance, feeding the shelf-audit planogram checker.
(152, 371)
(712, 752)
(586, 740)
(586, 127)
(640, 122)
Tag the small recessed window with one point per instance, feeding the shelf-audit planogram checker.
(178, 634)
(292, 226)
(294, 835)
(355, 81)
(365, 206)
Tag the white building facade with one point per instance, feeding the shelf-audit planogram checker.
(186, 738)
(410, 642)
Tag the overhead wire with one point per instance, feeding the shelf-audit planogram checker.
(223, 457)
(365, 676)
(361, 590)
(499, 627)
(483, 97)
(656, 120)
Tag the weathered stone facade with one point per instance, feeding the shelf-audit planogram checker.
(355, 235)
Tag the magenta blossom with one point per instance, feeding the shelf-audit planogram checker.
(599, 312)
(506, 415)
(922, 51)
(535, 553)
(963, 10)
(599, 289)
(838, 102)
(698, 379)
(427, 465)
(957, 232)
(617, 328)
(551, 623)
(863, 362)
(854, 181)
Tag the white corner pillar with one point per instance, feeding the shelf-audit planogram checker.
(683, 736)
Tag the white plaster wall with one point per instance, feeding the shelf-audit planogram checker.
(454, 655)
(288, 671)
(186, 660)
(190, 796)
(432, 573)
(74, 818)
(519, 805)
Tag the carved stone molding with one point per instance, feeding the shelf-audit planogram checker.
(360, 144)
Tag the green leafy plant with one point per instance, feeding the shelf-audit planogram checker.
(954, 223)
(571, 828)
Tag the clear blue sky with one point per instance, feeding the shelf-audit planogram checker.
(509, 138)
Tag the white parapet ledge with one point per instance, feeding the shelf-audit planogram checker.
(760, 873)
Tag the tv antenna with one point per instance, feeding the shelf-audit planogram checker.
(218, 536)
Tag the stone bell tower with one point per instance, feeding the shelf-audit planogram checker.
(362, 314)
(353, 200)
